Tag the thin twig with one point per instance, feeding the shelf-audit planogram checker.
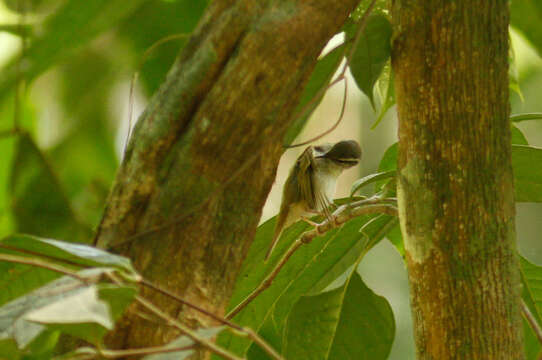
(341, 115)
(342, 74)
(343, 214)
(186, 330)
(251, 334)
(41, 264)
(531, 320)
(133, 81)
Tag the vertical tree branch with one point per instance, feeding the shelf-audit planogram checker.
(455, 187)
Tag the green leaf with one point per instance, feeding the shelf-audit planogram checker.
(9, 349)
(85, 255)
(313, 267)
(269, 332)
(87, 315)
(388, 163)
(81, 314)
(117, 297)
(531, 280)
(527, 178)
(18, 319)
(184, 341)
(320, 78)
(38, 203)
(369, 179)
(525, 116)
(532, 345)
(517, 136)
(395, 237)
(70, 27)
(513, 74)
(526, 16)
(349, 322)
(371, 53)
(18, 279)
(389, 98)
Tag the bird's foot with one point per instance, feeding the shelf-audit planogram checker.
(312, 223)
(309, 221)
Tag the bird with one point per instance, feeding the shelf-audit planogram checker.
(310, 186)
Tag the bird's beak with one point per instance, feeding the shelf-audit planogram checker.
(347, 162)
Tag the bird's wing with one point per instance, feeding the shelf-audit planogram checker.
(323, 203)
(305, 177)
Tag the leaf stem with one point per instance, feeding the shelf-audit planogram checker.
(38, 263)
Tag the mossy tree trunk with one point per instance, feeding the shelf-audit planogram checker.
(230, 95)
(455, 187)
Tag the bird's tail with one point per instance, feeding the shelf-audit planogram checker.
(274, 242)
(281, 222)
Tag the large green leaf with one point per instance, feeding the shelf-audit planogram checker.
(66, 304)
(65, 251)
(349, 322)
(371, 54)
(38, 202)
(527, 178)
(70, 27)
(320, 78)
(81, 314)
(19, 279)
(526, 16)
(313, 267)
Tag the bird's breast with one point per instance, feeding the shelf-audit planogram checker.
(325, 183)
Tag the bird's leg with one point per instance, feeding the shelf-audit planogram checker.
(312, 223)
(309, 221)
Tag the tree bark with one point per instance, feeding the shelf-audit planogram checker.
(230, 95)
(455, 185)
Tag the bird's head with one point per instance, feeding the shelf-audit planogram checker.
(346, 153)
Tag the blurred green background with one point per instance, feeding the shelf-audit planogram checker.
(72, 108)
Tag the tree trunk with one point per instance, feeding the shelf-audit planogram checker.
(227, 100)
(455, 187)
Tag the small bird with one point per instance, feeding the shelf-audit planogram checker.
(310, 186)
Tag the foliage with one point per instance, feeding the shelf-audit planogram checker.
(53, 190)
